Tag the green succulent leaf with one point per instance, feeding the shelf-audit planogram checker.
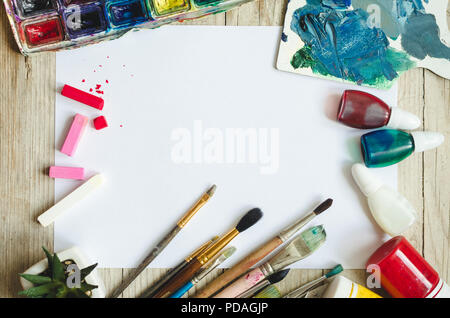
(86, 271)
(36, 279)
(58, 270)
(38, 291)
(62, 292)
(49, 259)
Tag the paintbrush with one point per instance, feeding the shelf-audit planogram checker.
(165, 241)
(304, 245)
(249, 219)
(216, 261)
(272, 279)
(303, 290)
(154, 288)
(261, 252)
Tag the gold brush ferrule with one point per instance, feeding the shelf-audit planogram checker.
(197, 206)
(217, 247)
(201, 249)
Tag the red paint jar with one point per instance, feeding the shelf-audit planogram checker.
(43, 32)
(362, 110)
(405, 273)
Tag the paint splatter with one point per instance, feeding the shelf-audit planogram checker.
(83, 81)
(91, 90)
(284, 37)
(341, 44)
(98, 86)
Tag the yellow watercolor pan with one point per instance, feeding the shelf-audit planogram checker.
(165, 7)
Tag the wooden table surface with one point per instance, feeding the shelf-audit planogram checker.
(27, 101)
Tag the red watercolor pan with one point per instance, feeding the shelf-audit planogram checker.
(43, 32)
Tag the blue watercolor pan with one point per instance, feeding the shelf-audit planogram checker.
(126, 13)
(84, 20)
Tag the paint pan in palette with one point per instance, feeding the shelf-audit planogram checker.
(52, 25)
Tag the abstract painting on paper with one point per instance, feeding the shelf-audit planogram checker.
(365, 42)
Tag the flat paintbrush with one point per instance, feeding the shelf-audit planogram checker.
(164, 242)
(302, 246)
(154, 288)
(272, 279)
(194, 266)
(260, 253)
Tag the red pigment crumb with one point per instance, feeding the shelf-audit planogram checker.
(98, 86)
(107, 82)
(121, 125)
(99, 92)
(91, 90)
(83, 81)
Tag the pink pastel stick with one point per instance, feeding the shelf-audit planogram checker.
(66, 172)
(242, 284)
(75, 133)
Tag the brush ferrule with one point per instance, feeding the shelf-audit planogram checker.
(201, 249)
(267, 269)
(194, 209)
(290, 231)
(217, 247)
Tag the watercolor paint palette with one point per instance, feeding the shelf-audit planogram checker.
(52, 25)
(365, 42)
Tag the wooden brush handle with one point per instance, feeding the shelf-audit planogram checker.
(179, 279)
(240, 268)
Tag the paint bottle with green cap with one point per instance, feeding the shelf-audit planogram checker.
(381, 148)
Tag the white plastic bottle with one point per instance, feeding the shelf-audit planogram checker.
(393, 213)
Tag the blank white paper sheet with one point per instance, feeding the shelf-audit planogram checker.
(192, 106)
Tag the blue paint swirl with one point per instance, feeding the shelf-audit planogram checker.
(340, 43)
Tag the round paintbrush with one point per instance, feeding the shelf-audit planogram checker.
(261, 252)
(189, 271)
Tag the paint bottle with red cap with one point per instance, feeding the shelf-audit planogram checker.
(405, 273)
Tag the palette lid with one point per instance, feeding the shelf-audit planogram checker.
(367, 181)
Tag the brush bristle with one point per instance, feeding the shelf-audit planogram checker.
(314, 237)
(336, 270)
(323, 206)
(229, 251)
(269, 292)
(278, 276)
(212, 190)
(248, 220)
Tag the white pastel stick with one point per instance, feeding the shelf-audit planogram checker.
(49, 216)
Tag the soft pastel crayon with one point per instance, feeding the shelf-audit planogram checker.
(74, 136)
(75, 173)
(82, 97)
(49, 216)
